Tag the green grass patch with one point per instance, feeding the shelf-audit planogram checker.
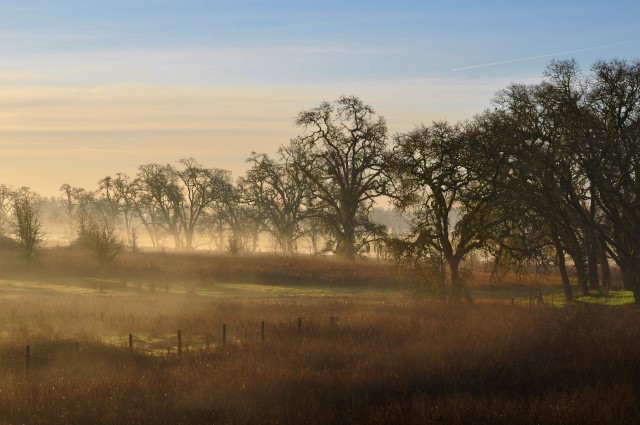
(271, 291)
(613, 298)
(8, 287)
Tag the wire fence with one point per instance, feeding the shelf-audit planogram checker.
(173, 345)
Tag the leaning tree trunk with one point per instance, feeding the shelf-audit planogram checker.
(581, 269)
(591, 244)
(566, 285)
(562, 265)
(605, 269)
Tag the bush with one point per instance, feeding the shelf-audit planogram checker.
(101, 241)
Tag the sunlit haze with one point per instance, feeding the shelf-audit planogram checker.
(90, 89)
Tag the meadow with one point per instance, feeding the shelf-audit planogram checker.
(368, 350)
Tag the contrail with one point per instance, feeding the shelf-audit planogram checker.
(568, 52)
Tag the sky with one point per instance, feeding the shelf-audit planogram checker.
(90, 89)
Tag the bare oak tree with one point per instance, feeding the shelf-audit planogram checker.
(341, 152)
(279, 189)
(432, 185)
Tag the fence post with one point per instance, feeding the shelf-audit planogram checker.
(180, 343)
(131, 343)
(530, 297)
(27, 357)
(262, 330)
(299, 325)
(224, 334)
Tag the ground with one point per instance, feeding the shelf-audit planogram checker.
(331, 353)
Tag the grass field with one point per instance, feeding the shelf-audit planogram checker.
(372, 353)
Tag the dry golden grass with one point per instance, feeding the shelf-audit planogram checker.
(385, 360)
(205, 268)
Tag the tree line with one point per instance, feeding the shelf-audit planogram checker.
(547, 177)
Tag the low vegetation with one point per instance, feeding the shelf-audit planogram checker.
(369, 349)
(73, 264)
(356, 360)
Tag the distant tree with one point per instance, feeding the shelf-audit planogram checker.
(241, 218)
(341, 152)
(107, 200)
(119, 194)
(101, 240)
(432, 185)
(78, 205)
(143, 208)
(176, 199)
(314, 231)
(6, 208)
(278, 188)
(162, 198)
(201, 187)
(28, 224)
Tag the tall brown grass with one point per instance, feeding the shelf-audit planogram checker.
(384, 361)
(205, 268)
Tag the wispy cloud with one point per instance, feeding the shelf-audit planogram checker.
(338, 50)
(547, 55)
(51, 131)
(206, 65)
(19, 76)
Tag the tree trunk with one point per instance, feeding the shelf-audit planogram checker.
(151, 233)
(286, 241)
(176, 239)
(581, 270)
(347, 247)
(562, 265)
(459, 288)
(188, 235)
(628, 279)
(605, 269)
(591, 244)
(631, 280)
(127, 225)
(583, 276)
(566, 285)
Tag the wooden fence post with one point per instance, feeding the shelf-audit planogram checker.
(131, 343)
(180, 343)
(262, 330)
(27, 357)
(224, 334)
(299, 325)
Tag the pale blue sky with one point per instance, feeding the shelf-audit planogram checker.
(90, 88)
